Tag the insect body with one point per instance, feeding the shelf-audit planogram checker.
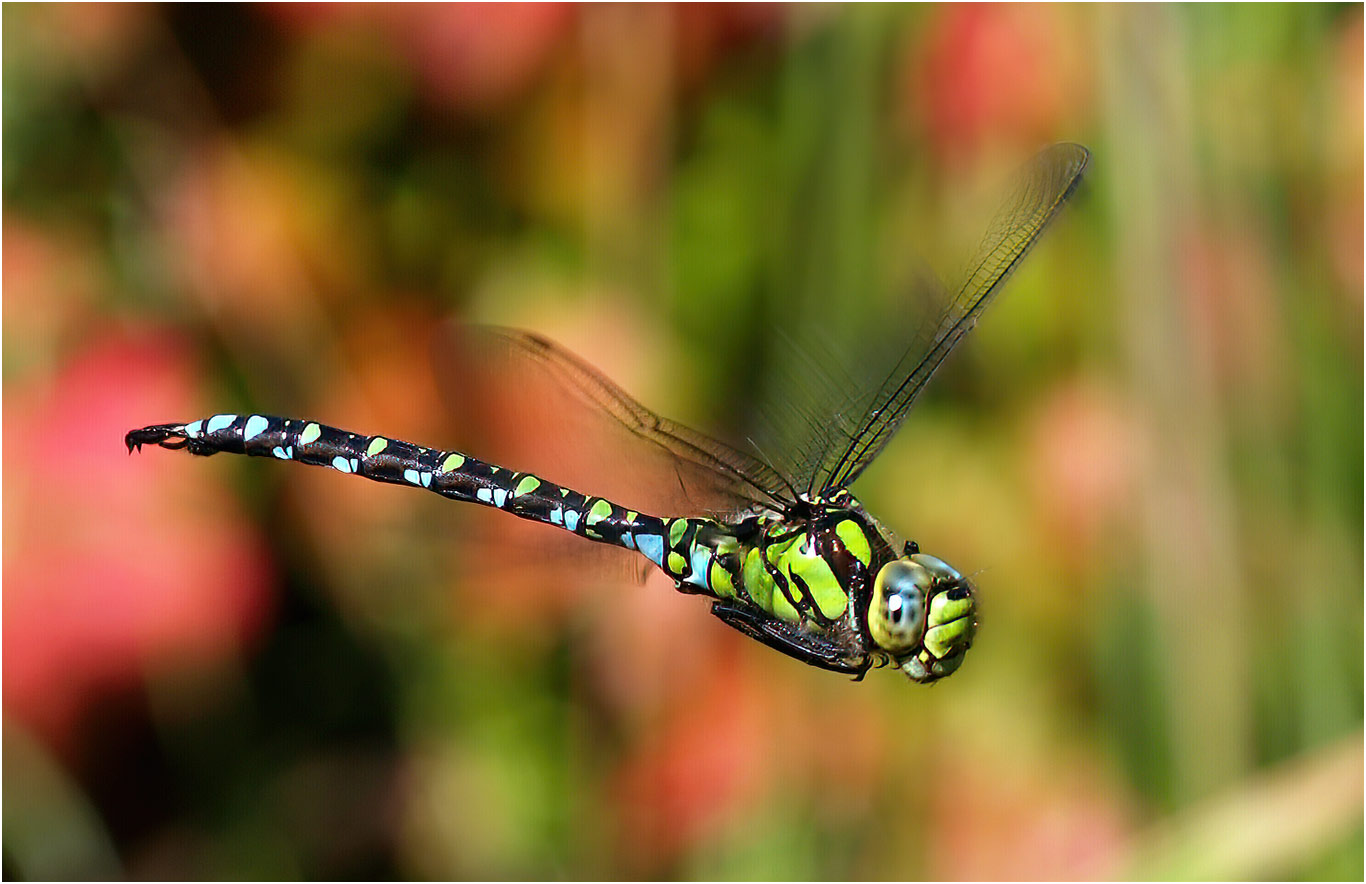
(789, 557)
(823, 585)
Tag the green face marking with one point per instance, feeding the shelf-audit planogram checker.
(310, 434)
(854, 540)
(944, 640)
(526, 486)
(377, 444)
(951, 625)
(944, 609)
(676, 529)
(452, 462)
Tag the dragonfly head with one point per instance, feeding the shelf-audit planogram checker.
(924, 615)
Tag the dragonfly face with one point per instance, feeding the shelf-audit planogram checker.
(923, 613)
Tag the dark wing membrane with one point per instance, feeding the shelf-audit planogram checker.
(575, 427)
(1048, 180)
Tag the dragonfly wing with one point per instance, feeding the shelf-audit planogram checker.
(563, 419)
(1048, 180)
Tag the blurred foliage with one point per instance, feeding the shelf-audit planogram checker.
(1150, 453)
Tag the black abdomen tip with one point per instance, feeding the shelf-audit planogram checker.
(166, 435)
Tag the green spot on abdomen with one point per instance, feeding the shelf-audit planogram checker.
(676, 529)
(599, 511)
(452, 462)
(676, 563)
(310, 434)
(526, 486)
(377, 444)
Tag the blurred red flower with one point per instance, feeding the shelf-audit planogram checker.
(1001, 822)
(1230, 307)
(114, 565)
(987, 72)
(1086, 458)
(687, 778)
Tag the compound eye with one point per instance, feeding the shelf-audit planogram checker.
(896, 615)
(938, 568)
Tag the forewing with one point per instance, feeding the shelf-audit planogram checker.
(1047, 182)
(541, 409)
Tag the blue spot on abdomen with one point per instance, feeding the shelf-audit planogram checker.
(652, 547)
(220, 421)
(701, 559)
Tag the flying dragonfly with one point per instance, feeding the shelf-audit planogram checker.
(782, 547)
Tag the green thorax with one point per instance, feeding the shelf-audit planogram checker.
(817, 570)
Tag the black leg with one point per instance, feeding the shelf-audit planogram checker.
(791, 640)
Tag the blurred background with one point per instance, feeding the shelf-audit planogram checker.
(1150, 453)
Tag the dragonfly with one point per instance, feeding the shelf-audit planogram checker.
(780, 545)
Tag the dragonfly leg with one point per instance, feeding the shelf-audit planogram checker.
(791, 640)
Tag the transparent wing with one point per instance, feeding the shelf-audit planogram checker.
(822, 426)
(548, 411)
(857, 426)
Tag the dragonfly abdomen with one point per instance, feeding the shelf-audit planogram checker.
(768, 565)
(382, 459)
